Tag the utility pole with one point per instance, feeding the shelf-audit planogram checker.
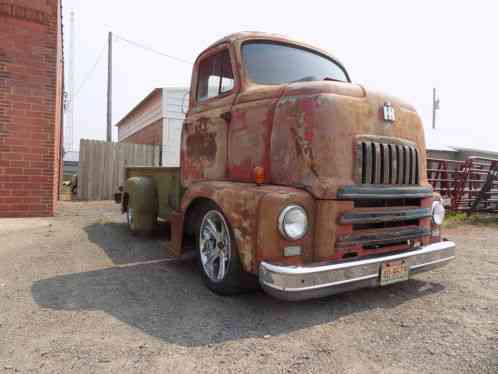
(109, 88)
(435, 106)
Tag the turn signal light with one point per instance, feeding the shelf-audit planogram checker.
(259, 175)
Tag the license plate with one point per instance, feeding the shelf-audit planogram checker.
(393, 272)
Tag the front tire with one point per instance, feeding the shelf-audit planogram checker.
(219, 262)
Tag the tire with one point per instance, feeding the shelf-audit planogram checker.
(218, 256)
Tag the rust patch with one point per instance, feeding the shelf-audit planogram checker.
(202, 146)
(250, 137)
(304, 135)
(252, 212)
(323, 127)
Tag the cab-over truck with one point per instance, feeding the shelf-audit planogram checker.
(293, 174)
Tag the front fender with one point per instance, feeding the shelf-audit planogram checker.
(252, 212)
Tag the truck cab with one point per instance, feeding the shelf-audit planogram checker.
(294, 174)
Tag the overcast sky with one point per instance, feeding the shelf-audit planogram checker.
(398, 47)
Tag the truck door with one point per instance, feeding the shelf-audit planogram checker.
(205, 130)
(251, 126)
(250, 131)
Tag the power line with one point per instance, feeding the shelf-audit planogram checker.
(90, 72)
(150, 49)
(136, 44)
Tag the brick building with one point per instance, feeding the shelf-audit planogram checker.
(30, 106)
(157, 120)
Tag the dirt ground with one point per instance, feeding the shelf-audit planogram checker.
(78, 293)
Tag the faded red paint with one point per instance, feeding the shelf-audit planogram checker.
(243, 171)
(304, 135)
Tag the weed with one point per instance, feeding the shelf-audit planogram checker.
(453, 219)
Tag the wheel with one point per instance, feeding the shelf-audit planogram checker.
(218, 257)
(130, 219)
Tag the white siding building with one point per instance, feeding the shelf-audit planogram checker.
(157, 120)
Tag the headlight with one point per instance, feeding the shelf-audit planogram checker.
(293, 222)
(438, 212)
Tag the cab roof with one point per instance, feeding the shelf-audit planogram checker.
(258, 35)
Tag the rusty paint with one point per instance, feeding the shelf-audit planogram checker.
(175, 245)
(324, 128)
(202, 144)
(239, 202)
(271, 244)
(253, 211)
(305, 136)
(326, 230)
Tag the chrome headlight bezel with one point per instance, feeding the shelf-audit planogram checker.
(285, 220)
(438, 212)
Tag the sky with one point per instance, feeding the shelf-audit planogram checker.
(403, 48)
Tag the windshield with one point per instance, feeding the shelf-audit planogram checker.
(274, 63)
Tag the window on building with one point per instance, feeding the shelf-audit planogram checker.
(215, 76)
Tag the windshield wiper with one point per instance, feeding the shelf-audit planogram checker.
(331, 79)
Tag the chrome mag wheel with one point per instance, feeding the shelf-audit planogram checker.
(214, 245)
(129, 218)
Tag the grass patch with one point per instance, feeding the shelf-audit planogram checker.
(454, 219)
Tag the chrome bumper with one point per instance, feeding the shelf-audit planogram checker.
(306, 282)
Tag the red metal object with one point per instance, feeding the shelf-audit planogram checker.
(460, 182)
(470, 184)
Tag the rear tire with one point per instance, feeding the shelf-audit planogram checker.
(218, 255)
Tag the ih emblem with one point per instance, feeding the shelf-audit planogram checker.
(389, 115)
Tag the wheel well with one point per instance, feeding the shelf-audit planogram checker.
(190, 221)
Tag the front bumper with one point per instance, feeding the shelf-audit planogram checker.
(306, 282)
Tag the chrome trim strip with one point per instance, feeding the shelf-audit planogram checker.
(319, 286)
(415, 267)
(343, 265)
(303, 282)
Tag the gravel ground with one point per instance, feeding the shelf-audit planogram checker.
(78, 293)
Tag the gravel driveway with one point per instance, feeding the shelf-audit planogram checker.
(78, 293)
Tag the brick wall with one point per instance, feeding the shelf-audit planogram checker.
(151, 134)
(30, 106)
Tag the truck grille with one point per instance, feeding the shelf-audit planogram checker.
(387, 163)
(382, 218)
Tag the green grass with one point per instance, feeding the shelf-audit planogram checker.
(454, 219)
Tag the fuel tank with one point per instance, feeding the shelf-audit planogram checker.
(319, 128)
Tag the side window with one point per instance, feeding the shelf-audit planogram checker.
(215, 76)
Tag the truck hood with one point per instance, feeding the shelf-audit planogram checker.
(317, 126)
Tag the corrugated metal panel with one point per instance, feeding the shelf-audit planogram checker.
(171, 145)
(175, 103)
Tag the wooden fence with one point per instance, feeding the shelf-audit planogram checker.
(101, 166)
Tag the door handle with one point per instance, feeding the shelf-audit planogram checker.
(226, 116)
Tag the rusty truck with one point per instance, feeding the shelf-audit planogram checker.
(292, 176)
